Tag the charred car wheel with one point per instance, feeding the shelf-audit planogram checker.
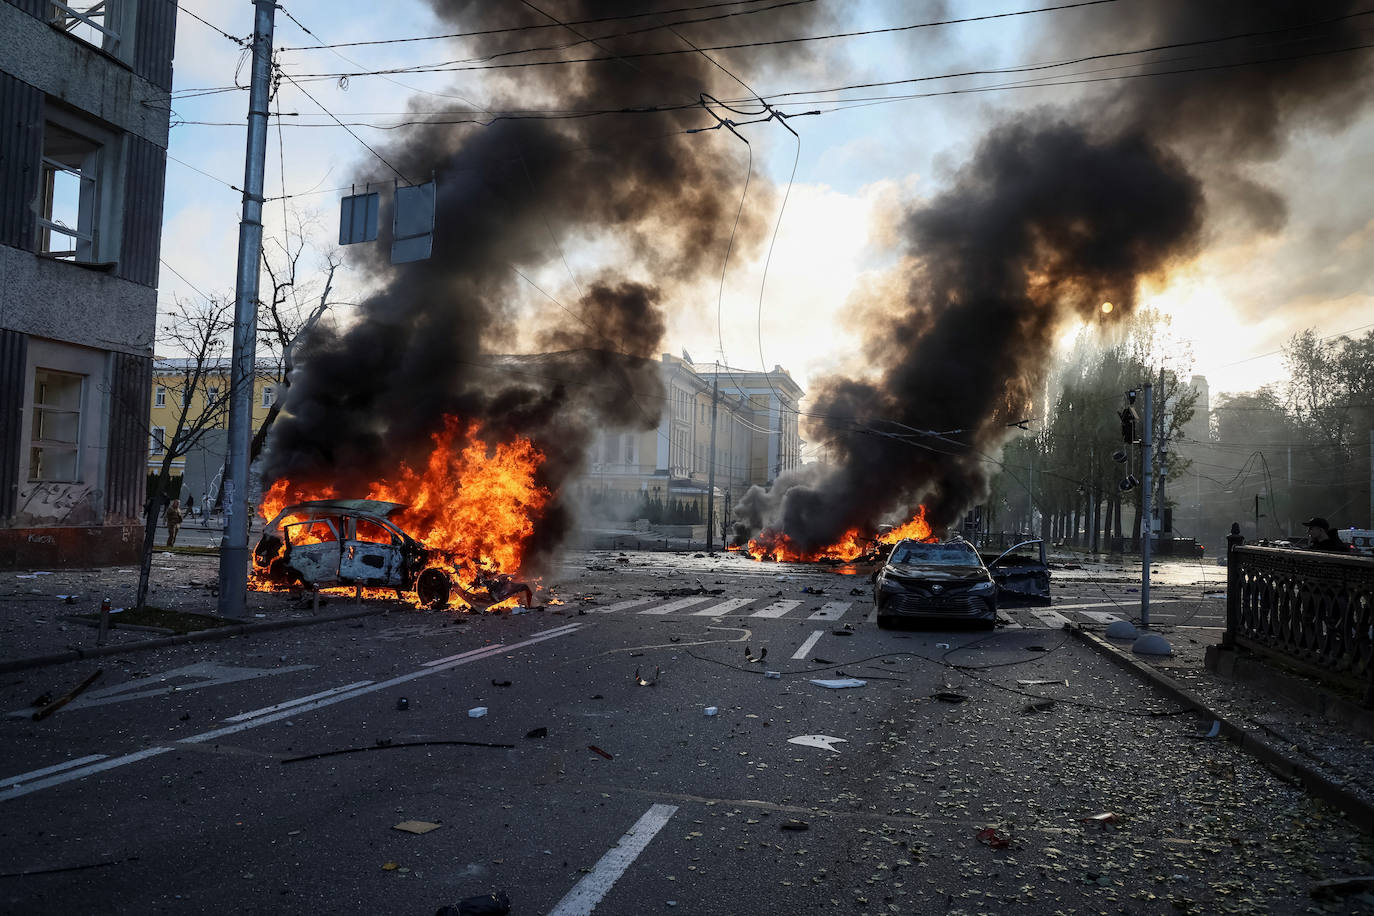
(433, 588)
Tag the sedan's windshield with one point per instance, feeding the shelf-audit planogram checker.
(953, 554)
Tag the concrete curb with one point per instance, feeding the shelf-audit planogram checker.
(239, 629)
(1359, 811)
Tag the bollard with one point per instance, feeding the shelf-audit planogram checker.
(104, 627)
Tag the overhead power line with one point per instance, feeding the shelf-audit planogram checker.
(541, 26)
(673, 52)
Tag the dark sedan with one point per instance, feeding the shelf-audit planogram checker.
(925, 580)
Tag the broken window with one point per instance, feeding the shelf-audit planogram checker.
(55, 438)
(372, 533)
(73, 188)
(157, 440)
(95, 23)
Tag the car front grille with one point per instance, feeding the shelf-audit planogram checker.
(955, 605)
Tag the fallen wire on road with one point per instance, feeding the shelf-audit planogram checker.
(389, 745)
(65, 868)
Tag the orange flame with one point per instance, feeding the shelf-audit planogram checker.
(775, 545)
(475, 502)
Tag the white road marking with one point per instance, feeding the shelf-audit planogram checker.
(587, 893)
(622, 605)
(1075, 607)
(808, 645)
(47, 771)
(677, 605)
(1007, 622)
(15, 790)
(725, 607)
(18, 790)
(496, 649)
(776, 609)
(210, 674)
(1050, 618)
(1100, 616)
(296, 702)
(833, 610)
(453, 658)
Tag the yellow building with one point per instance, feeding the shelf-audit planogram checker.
(205, 403)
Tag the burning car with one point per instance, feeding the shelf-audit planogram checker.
(357, 542)
(935, 580)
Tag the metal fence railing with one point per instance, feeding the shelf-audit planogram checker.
(1311, 610)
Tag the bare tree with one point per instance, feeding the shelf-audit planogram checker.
(199, 331)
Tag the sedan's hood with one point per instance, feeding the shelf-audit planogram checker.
(935, 573)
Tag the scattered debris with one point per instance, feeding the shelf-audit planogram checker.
(794, 825)
(824, 742)
(774, 675)
(596, 750)
(812, 590)
(385, 743)
(763, 653)
(821, 661)
(477, 712)
(994, 837)
(416, 827)
(402, 703)
(948, 697)
(942, 645)
(1340, 887)
(838, 683)
(647, 682)
(496, 683)
(710, 711)
(1044, 704)
(1102, 820)
(1036, 649)
(1034, 683)
(389, 866)
(57, 704)
(841, 632)
(857, 591)
(540, 732)
(1213, 732)
(495, 904)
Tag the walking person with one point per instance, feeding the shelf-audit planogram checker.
(174, 518)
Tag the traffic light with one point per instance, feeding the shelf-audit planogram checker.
(1130, 425)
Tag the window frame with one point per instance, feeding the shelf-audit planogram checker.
(89, 153)
(39, 410)
(157, 440)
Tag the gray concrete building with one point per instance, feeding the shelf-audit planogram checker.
(84, 113)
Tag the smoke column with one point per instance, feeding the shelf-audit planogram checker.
(1057, 211)
(509, 195)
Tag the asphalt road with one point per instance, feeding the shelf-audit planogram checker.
(595, 780)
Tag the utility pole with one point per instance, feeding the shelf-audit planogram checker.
(1162, 503)
(1147, 460)
(1147, 643)
(711, 468)
(233, 555)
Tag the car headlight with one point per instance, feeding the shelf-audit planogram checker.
(983, 588)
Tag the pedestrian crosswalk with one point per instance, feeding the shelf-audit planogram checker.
(772, 607)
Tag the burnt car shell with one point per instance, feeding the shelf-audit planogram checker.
(944, 581)
(1021, 573)
(340, 542)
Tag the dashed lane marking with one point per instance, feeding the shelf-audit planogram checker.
(622, 605)
(1050, 618)
(807, 646)
(587, 893)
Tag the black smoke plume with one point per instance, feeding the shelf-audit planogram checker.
(511, 194)
(1057, 211)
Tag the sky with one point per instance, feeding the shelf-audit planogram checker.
(829, 200)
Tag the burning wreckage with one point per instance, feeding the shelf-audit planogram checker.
(330, 542)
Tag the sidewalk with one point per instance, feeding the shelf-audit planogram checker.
(1272, 714)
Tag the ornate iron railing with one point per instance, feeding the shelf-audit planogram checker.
(1308, 609)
